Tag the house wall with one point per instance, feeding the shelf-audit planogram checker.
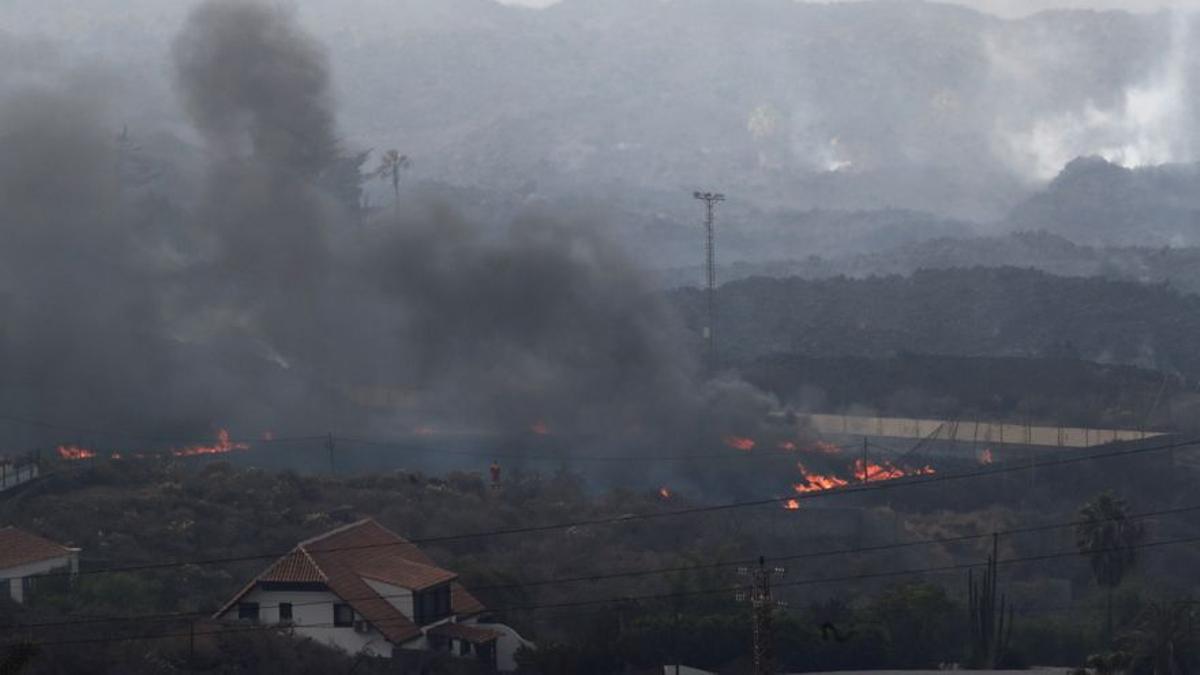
(14, 575)
(13, 475)
(400, 598)
(312, 617)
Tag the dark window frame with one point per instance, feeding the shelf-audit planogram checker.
(285, 612)
(343, 609)
(432, 604)
(249, 611)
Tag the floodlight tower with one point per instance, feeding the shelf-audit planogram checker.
(710, 200)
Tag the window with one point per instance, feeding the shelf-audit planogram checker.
(285, 612)
(343, 615)
(432, 605)
(464, 648)
(248, 611)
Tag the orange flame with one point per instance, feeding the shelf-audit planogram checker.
(985, 456)
(664, 492)
(222, 446)
(885, 470)
(787, 445)
(75, 452)
(816, 482)
(740, 443)
(791, 504)
(826, 448)
(539, 428)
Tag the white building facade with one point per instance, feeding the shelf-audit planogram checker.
(25, 556)
(366, 590)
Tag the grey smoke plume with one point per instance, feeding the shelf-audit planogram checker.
(265, 305)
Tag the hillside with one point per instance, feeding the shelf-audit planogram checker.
(1178, 267)
(142, 513)
(1052, 390)
(962, 312)
(1095, 202)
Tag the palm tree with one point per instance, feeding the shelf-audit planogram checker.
(390, 166)
(1163, 637)
(1109, 539)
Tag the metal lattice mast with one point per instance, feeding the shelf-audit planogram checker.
(710, 200)
(762, 608)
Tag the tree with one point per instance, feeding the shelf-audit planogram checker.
(343, 179)
(390, 166)
(1163, 638)
(919, 623)
(1109, 539)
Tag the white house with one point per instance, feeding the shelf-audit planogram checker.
(365, 589)
(13, 474)
(23, 556)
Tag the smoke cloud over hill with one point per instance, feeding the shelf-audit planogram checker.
(265, 305)
(924, 106)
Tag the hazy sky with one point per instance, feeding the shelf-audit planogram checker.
(1002, 7)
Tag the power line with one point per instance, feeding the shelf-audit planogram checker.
(632, 517)
(693, 568)
(635, 598)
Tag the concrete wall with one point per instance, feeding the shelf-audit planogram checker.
(506, 646)
(970, 431)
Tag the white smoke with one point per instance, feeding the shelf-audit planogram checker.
(1148, 125)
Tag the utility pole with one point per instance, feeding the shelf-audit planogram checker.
(865, 458)
(710, 200)
(763, 606)
(329, 446)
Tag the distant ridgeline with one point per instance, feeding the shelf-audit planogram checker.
(960, 312)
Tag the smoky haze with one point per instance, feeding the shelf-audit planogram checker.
(264, 303)
(944, 111)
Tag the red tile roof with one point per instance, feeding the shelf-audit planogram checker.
(18, 547)
(403, 573)
(296, 566)
(462, 631)
(342, 558)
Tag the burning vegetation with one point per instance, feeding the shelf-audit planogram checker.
(862, 471)
(740, 443)
(74, 452)
(224, 444)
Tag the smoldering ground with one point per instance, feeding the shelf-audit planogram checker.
(259, 301)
